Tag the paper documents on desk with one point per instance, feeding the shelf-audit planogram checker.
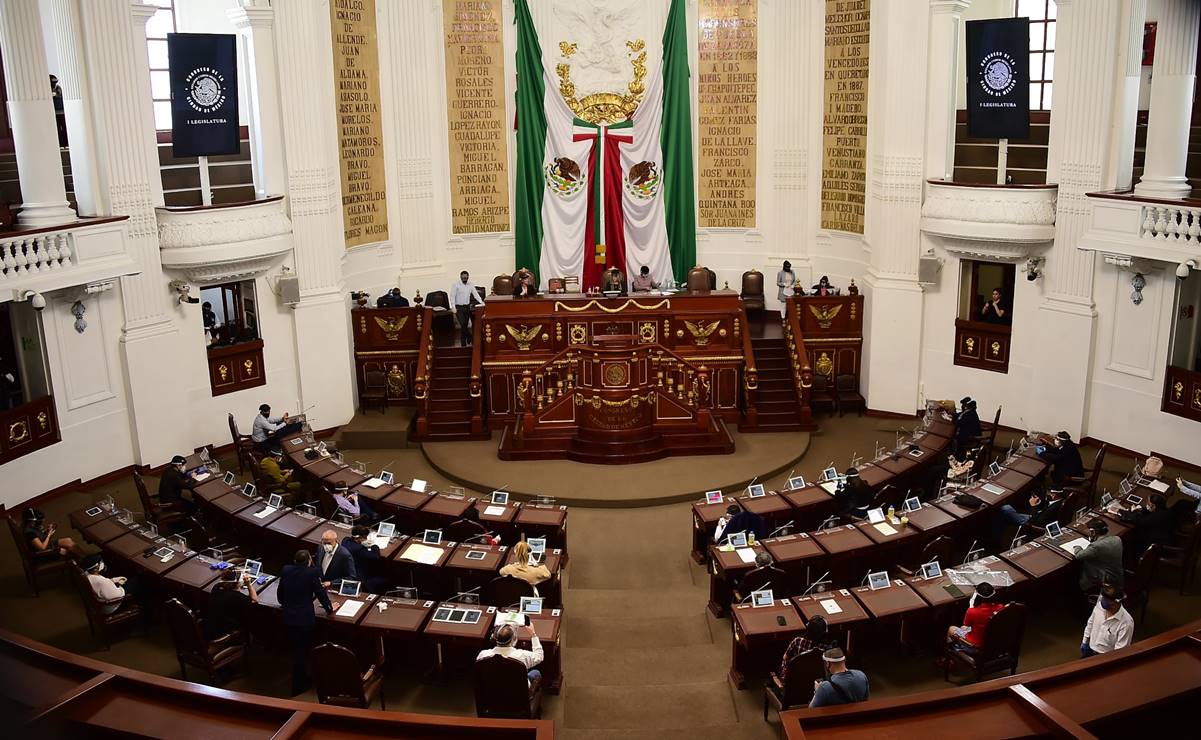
(349, 609)
(829, 487)
(494, 510)
(205, 476)
(747, 554)
(1158, 485)
(884, 529)
(975, 577)
(831, 606)
(266, 512)
(373, 483)
(380, 542)
(419, 553)
(1070, 547)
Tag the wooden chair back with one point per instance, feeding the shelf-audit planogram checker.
(185, 632)
(336, 675)
(462, 529)
(437, 298)
(505, 591)
(502, 285)
(1003, 639)
(803, 669)
(502, 689)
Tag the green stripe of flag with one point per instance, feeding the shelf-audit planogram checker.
(531, 142)
(678, 188)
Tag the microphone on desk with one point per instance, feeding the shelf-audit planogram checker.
(970, 549)
(784, 526)
(829, 523)
(815, 583)
(748, 596)
(478, 537)
(865, 577)
(471, 596)
(748, 485)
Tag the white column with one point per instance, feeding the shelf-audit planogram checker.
(304, 60)
(893, 298)
(1126, 103)
(946, 32)
(31, 116)
(1173, 77)
(255, 21)
(67, 42)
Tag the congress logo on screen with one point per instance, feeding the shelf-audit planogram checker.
(998, 78)
(206, 89)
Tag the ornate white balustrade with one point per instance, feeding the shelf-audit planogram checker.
(57, 257)
(1125, 227)
(234, 241)
(999, 222)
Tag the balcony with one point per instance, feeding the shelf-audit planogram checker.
(995, 222)
(91, 250)
(233, 241)
(1125, 227)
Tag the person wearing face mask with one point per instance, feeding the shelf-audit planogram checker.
(842, 685)
(334, 561)
(112, 592)
(174, 482)
(1064, 457)
(1109, 627)
(349, 502)
(299, 586)
(366, 558)
(1101, 561)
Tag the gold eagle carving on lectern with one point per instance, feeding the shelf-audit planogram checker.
(700, 335)
(391, 327)
(523, 336)
(825, 314)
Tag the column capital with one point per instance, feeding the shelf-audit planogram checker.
(251, 16)
(953, 7)
(141, 13)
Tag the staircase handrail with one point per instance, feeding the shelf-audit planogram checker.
(425, 369)
(798, 359)
(475, 385)
(750, 374)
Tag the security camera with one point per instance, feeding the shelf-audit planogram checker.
(1034, 268)
(1182, 270)
(184, 292)
(37, 300)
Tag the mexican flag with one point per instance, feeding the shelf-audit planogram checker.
(589, 196)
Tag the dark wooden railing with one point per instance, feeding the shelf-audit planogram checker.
(27, 428)
(235, 367)
(425, 367)
(53, 693)
(798, 357)
(981, 345)
(750, 378)
(475, 387)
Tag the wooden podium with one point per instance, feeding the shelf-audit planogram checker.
(615, 400)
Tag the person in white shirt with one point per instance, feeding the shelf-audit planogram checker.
(110, 591)
(1110, 627)
(505, 637)
(462, 294)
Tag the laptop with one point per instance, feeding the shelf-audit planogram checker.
(877, 581)
(500, 498)
(875, 516)
(348, 588)
(912, 504)
(713, 497)
(386, 477)
(253, 568)
(738, 539)
(531, 604)
(796, 483)
(229, 478)
(1053, 530)
(931, 570)
(431, 537)
(756, 491)
(762, 598)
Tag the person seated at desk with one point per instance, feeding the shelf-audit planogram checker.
(642, 282)
(521, 568)
(112, 592)
(392, 299)
(479, 533)
(366, 559)
(1101, 561)
(524, 285)
(738, 520)
(1154, 524)
(959, 470)
(268, 430)
(1044, 508)
(824, 289)
(815, 637)
(299, 586)
(226, 611)
(275, 478)
(1192, 490)
(334, 561)
(967, 426)
(613, 282)
(350, 503)
(842, 685)
(1064, 457)
(505, 637)
(854, 497)
(41, 539)
(970, 637)
(174, 482)
(1109, 626)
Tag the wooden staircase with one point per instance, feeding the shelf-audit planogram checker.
(776, 399)
(450, 396)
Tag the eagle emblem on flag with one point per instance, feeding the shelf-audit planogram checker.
(642, 182)
(563, 177)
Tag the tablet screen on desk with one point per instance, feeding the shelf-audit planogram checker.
(738, 539)
(796, 483)
(476, 554)
(249, 490)
(348, 588)
(994, 469)
(537, 544)
(762, 598)
(253, 567)
(931, 570)
(756, 491)
(163, 552)
(500, 497)
(913, 504)
(229, 478)
(386, 477)
(94, 511)
(531, 605)
(443, 614)
(877, 581)
(471, 617)
(1053, 530)
(385, 530)
(713, 497)
(432, 536)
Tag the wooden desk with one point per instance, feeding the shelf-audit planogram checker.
(795, 554)
(455, 642)
(248, 518)
(851, 616)
(106, 530)
(321, 467)
(847, 547)
(193, 574)
(441, 507)
(233, 502)
(367, 601)
(346, 476)
(725, 568)
(470, 573)
(401, 616)
(378, 493)
(773, 507)
(811, 505)
(1037, 559)
(934, 591)
(929, 517)
(81, 520)
(294, 524)
(543, 520)
(897, 600)
(760, 639)
(501, 522)
(406, 499)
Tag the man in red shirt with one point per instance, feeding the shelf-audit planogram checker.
(970, 637)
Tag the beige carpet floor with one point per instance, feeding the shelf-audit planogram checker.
(642, 657)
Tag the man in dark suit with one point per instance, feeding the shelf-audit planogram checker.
(967, 426)
(737, 520)
(174, 482)
(366, 557)
(333, 560)
(299, 585)
(1064, 457)
(853, 496)
(1044, 508)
